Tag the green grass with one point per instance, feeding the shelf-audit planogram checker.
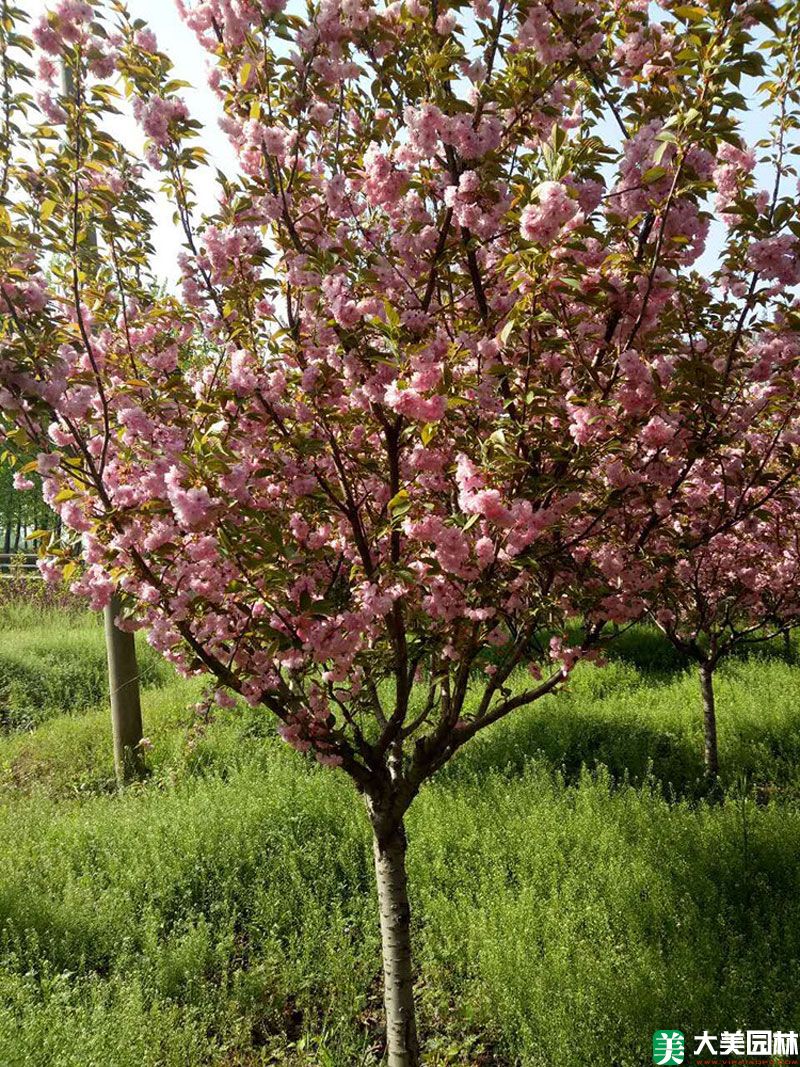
(58, 666)
(572, 890)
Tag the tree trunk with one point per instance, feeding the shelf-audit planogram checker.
(7, 542)
(390, 873)
(126, 711)
(709, 720)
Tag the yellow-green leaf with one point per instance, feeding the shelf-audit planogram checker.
(428, 432)
(399, 501)
(505, 333)
(690, 13)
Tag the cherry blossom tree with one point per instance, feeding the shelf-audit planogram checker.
(705, 542)
(719, 579)
(737, 590)
(705, 539)
(427, 357)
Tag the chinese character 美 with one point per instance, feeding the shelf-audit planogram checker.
(759, 1042)
(668, 1048)
(705, 1042)
(731, 1044)
(784, 1044)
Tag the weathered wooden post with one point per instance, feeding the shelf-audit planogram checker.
(126, 708)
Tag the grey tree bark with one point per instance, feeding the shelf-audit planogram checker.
(711, 754)
(126, 709)
(389, 846)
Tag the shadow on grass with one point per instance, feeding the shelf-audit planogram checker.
(641, 720)
(630, 752)
(648, 651)
(657, 660)
(633, 751)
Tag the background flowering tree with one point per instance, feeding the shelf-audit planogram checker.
(715, 581)
(705, 541)
(737, 590)
(427, 359)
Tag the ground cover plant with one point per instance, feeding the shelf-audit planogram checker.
(574, 890)
(57, 663)
(444, 372)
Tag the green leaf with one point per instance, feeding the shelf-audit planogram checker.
(658, 155)
(428, 432)
(400, 503)
(689, 13)
(505, 333)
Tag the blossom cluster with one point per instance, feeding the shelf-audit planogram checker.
(442, 371)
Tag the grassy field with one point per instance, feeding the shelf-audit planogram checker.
(572, 889)
(53, 665)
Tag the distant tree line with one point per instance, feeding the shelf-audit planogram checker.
(22, 511)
